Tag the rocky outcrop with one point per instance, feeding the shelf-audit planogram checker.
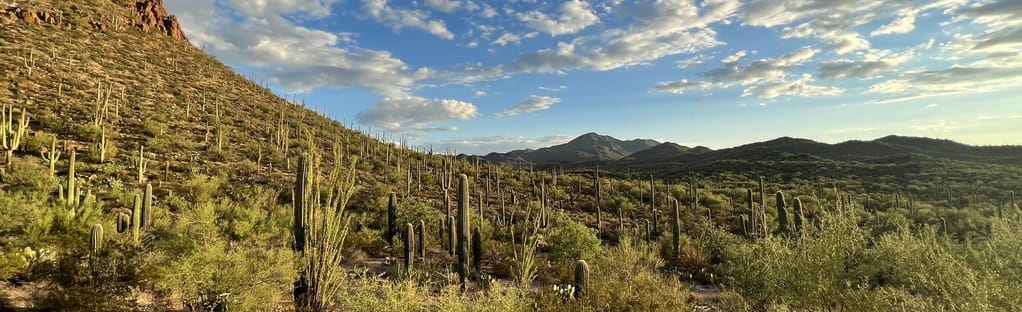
(144, 15)
(153, 15)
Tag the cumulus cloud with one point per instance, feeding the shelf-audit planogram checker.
(801, 87)
(446, 6)
(869, 66)
(901, 25)
(510, 38)
(575, 16)
(659, 29)
(398, 19)
(734, 58)
(680, 87)
(313, 8)
(954, 80)
(765, 78)
(295, 57)
(412, 112)
(534, 103)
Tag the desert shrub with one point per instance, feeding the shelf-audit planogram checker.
(626, 277)
(240, 277)
(79, 281)
(570, 241)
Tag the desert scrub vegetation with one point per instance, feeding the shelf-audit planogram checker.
(221, 156)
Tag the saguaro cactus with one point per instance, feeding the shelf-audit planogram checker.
(136, 219)
(752, 214)
(676, 229)
(147, 205)
(463, 228)
(123, 222)
(477, 250)
(72, 197)
(782, 215)
(96, 239)
(581, 278)
(799, 215)
(422, 240)
(409, 246)
(391, 218)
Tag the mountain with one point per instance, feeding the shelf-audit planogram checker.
(585, 148)
(666, 150)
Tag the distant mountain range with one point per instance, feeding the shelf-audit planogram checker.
(586, 148)
(595, 148)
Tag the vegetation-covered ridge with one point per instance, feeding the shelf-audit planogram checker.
(142, 174)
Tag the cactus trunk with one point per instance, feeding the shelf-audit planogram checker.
(463, 229)
(581, 278)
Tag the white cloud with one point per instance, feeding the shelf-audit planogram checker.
(295, 57)
(552, 89)
(397, 19)
(660, 29)
(575, 16)
(902, 25)
(680, 87)
(479, 93)
(800, 87)
(534, 103)
(510, 38)
(446, 6)
(412, 112)
(870, 65)
(954, 80)
(734, 58)
(312, 8)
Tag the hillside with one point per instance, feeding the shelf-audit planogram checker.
(585, 148)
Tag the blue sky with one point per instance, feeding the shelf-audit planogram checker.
(482, 76)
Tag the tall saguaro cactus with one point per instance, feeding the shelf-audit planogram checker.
(477, 250)
(753, 228)
(136, 219)
(409, 246)
(391, 218)
(422, 240)
(782, 215)
(599, 214)
(147, 205)
(676, 229)
(463, 228)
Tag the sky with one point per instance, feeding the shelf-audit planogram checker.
(493, 76)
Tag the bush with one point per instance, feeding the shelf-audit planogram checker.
(571, 241)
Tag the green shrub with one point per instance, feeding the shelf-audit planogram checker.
(571, 241)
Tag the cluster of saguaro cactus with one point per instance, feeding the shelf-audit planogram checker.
(123, 221)
(10, 133)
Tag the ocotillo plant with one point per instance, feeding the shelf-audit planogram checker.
(782, 215)
(391, 218)
(422, 240)
(581, 278)
(676, 229)
(409, 246)
(96, 239)
(477, 250)
(147, 205)
(463, 228)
